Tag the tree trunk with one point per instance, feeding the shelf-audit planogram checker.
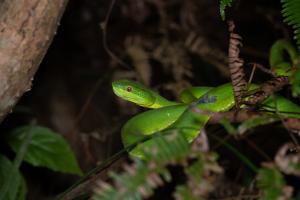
(26, 31)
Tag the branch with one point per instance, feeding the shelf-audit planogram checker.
(26, 31)
(267, 89)
(238, 116)
(234, 116)
(236, 65)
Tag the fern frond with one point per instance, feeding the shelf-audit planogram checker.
(161, 151)
(197, 186)
(139, 179)
(223, 5)
(272, 184)
(291, 14)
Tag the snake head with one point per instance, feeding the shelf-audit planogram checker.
(133, 92)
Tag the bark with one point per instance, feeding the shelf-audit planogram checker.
(26, 31)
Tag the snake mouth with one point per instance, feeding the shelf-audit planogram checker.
(120, 92)
(116, 89)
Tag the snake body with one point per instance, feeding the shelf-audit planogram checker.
(185, 116)
(190, 116)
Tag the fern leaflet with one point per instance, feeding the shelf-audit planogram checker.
(291, 14)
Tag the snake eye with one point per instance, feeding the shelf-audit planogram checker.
(129, 89)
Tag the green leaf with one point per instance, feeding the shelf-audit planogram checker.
(223, 5)
(177, 151)
(290, 13)
(228, 126)
(257, 121)
(17, 190)
(270, 177)
(46, 149)
(183, 192)
(272, 184)
(296, 81)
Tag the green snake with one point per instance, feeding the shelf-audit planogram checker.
(186, 115)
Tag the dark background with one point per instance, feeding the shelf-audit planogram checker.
(167, 45)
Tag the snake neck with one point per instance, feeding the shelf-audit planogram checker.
(162, 102)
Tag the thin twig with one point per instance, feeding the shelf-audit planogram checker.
(257, 149)
(251, 75)
(263, 69)
(104, 26)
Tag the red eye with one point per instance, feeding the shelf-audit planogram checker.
(129, 89)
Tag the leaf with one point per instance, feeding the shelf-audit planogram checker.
(183, 192)
(141, 178)
(46, 149)
(17, 190)
(272, 183)
(296, 82)
(158, 149)
(291, 15)
(223, 5)
(270, 177)
(228, 126)
(257, 121)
